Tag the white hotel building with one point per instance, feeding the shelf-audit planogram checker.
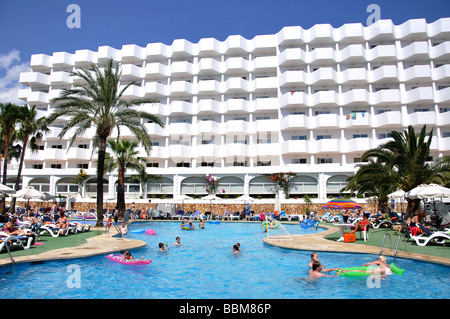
(306, 101)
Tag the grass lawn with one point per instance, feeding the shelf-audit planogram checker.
(376, 238)
(50, 243)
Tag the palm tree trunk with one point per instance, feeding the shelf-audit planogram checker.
(413, 207)
(12, 206)
(121, 192)
(5, 164)
(100, 174)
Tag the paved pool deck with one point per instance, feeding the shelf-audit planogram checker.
(108, 242)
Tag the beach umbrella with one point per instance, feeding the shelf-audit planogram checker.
(28, 192)
(181, 198)
(342, 203)
(47, 196)
(245, 198)
(425, 191)
(6, 190)
(211, 197)
(397, 194)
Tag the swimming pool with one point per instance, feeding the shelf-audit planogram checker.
(203, 267)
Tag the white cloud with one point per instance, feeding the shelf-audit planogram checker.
(10, 69)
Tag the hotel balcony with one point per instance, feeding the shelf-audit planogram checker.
(131, 72)
(422, 118)
(441, 73)
(418, 96)
(384, 74)
(60, 78)
(39, 155)
(75, 153)
(236, 85)
(34, 79)
(323, 76)
(54, 133)
(265, 64)
(132, 53)
(209, 127)
(236, 149)
(237, 105)
(155, 89)
(294, 147)
(326, 145)
(55, 154)
(293, 79)
(159, 152)
(417, 51)
(208, 105)
(416, 74)
(270, 103)
(352, 76)
(181, 107)
(84, 58)
(443, 119)
(324, 121)
(156, 71)
(265, 149)
(354, 97)
(40, 63)
(181, 88)
(106, 53)
(355, 120)
(209, 87)
(272, 125)
(324, 98)
(154, 129)
(266, 84)
(180, 153)
(133, 92)
(442, 96)
(179, 129)
(321, 56)
(385, 97)
(236, 65)
(239, 126)
(441, 51)
(294, 99)
(354, 53)
(209, 150)
(37, 98)
(209, 66)
(294, 122)
(62, 60)
(382, 53)
(388, 119)
(356, 145)
(182, 68)
(292, 57)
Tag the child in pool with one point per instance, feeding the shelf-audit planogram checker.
(201, 224)
(161, 247)
(127, 255)
(236, 249)
(177, 242)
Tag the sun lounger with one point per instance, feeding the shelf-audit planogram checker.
(235, 215)
(53, 231)
(22, 242)
(179, 215)
(427, 236)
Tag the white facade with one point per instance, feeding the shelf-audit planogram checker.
(307, 101)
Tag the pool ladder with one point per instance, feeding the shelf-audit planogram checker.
(390, 240)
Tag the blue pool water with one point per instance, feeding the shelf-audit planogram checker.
(203, 267)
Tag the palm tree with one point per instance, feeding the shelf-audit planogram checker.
(125, 157)
(407, 157)
(96, 101)
(373, 179)
(8, 119)
(30, 130)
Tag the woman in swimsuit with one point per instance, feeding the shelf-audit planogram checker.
(360, 226)
(382, 269)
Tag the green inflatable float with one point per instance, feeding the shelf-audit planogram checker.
(350, 273)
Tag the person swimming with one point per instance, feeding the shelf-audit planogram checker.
(383, 268)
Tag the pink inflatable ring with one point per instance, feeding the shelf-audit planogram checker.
(150, 231)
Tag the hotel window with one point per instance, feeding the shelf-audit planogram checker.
(37, 166)
(446, 134)
(360, 135)
(210, 164)
(85, 166)
(444, 109)
(321, 112)
(424, 109)
(56, 166)
(183, 164)
(383, 135)
(264, 163)
(297, 113)
(152, 165)
(262, 118)
(383, 111)
(326, 160)
(239, 163)
(299, 138)
(240, 119)
(299, 161)
(85, 146)
(58, 146)
(323, 137)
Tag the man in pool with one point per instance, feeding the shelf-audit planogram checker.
(316, 270)
(177, 241)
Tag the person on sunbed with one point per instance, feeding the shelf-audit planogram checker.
(11, 229)
(63, 221)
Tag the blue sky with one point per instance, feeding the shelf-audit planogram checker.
(29, 27)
